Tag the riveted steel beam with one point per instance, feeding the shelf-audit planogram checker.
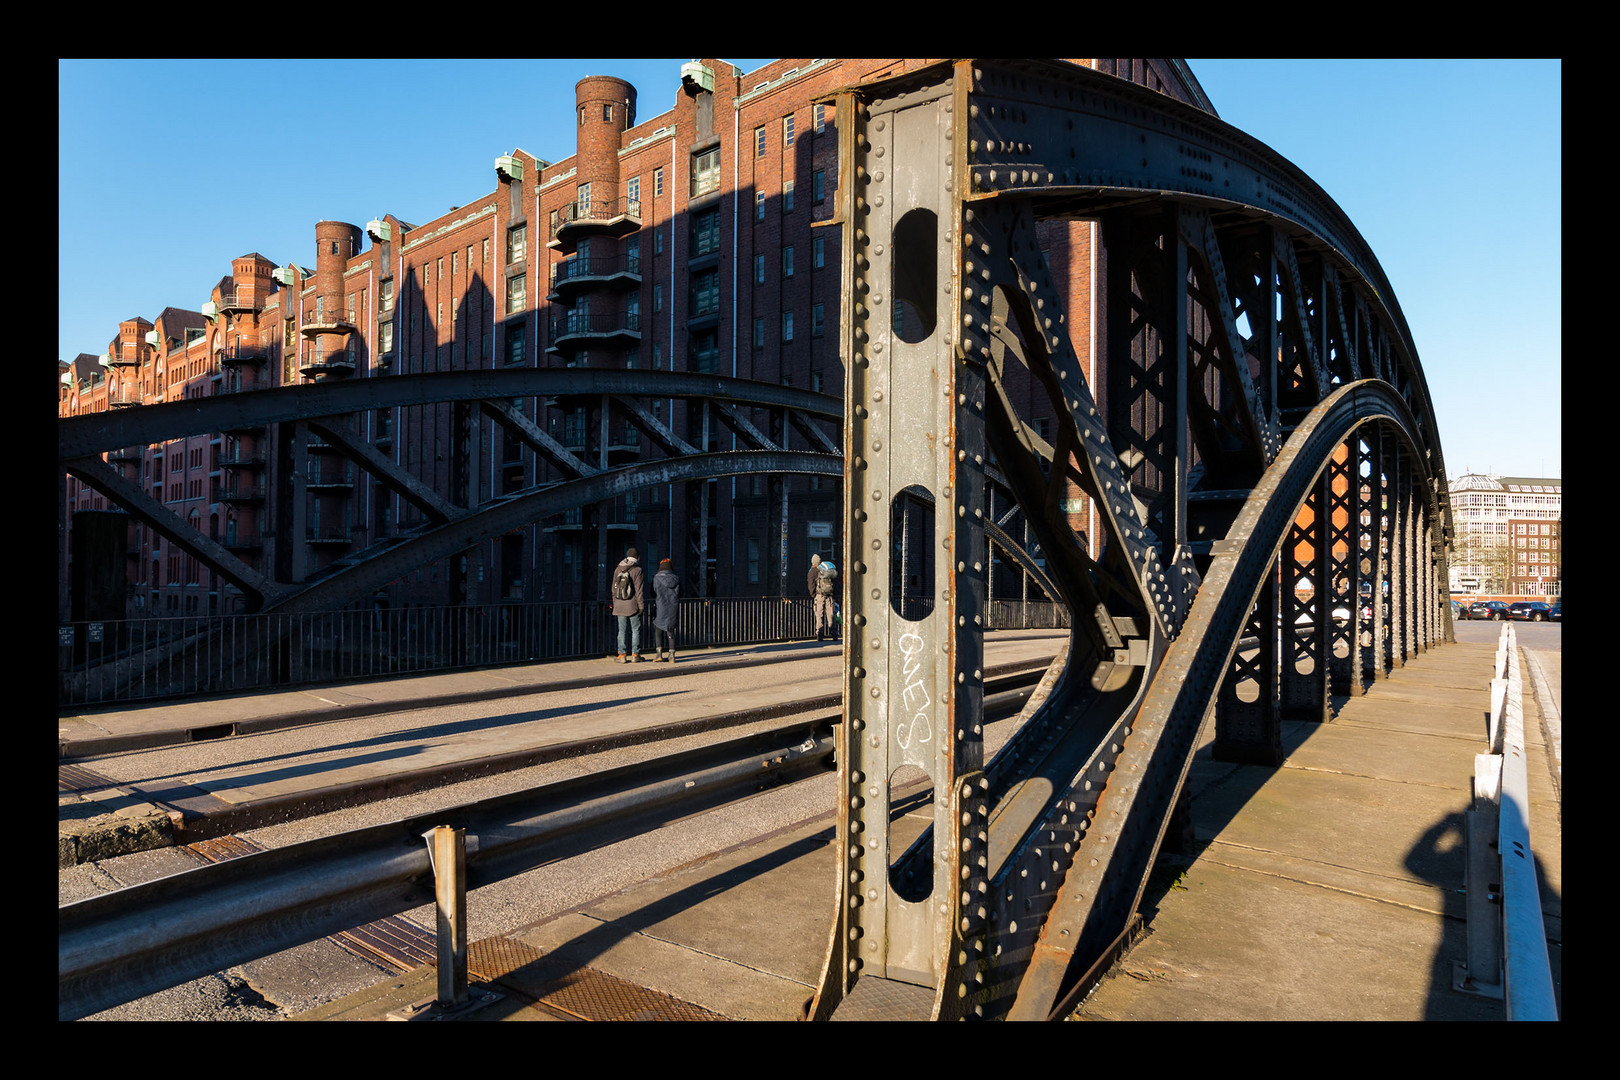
(80, 436)
(514, 511)
(211, 553)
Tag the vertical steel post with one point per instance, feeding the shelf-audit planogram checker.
(450, 899)
(1303, 694)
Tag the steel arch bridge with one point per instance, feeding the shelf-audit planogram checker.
(1261, 451)
(1259, 447)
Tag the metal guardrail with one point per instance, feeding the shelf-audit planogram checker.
(156, 658)
(1507, 938)
(120, 946)
(124, 945)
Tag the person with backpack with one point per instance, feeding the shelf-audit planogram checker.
(629, 601)
(667, 597)
(824, 593)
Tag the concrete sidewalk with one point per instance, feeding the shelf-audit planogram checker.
(1332, 888)
(99, 818)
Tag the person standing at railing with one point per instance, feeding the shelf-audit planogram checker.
(823, 584)
(629, 601)
(667, 598)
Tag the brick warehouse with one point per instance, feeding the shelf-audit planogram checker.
(685, 241)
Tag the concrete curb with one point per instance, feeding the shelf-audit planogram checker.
(1552, 733)
(112, 835)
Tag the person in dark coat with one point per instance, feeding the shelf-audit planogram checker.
(629, 590)
(666, 597)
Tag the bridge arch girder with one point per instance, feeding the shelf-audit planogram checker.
(1246, 334)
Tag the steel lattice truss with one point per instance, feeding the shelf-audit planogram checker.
(327, 410)
(1254, 365)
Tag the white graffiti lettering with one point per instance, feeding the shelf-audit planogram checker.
(915, 696)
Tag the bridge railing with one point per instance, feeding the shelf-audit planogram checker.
(156, 658)
(1507, 938)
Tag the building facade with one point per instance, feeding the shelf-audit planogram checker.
(1508, 535)
(700, 239)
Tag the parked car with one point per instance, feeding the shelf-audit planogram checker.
(1556, 612)
(1491, 610)
(1530, 611)
(1457, 610)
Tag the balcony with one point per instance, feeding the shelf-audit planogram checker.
(580, 330)
(246, 300)
(581, 273)
(242, 540)
(328, 322)
(570, 520)
(594, 217)
(237, 457)
(243, 355)
(337, 364)
(331, 479)
(329, 535)
(241, 493)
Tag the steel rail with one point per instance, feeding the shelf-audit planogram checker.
(125, 945)
(128, 944)
(1526, 971)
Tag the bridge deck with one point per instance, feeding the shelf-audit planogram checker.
(1326, 889)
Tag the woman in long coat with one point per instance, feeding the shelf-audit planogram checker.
(667, 594)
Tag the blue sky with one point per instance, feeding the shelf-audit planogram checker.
(1451, 170)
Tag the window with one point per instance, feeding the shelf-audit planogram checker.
(759, 269)
(633, 190)
(706, 232)
(759, 333)
(787, 197)
(607, 113)
(658, 242)
(516, 346)
(517, 243)
(787, 326)
(706, 351)
(385, 338)
(516, 293)
(759, 142)
(658, 182)
(706, 292)
(818, 186)
(385, 295)
(818, 115)
(818, 248)
(753, 561)
(787, 131)
(705, 172)
(583, 200)
(759, 206)
(816, 319)
(658, 296)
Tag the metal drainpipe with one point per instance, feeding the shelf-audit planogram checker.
(736, 179)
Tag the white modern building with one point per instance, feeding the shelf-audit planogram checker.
(1509, 534)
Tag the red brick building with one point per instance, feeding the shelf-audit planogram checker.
(698, 239)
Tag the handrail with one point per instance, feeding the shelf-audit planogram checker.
(1507, 938)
